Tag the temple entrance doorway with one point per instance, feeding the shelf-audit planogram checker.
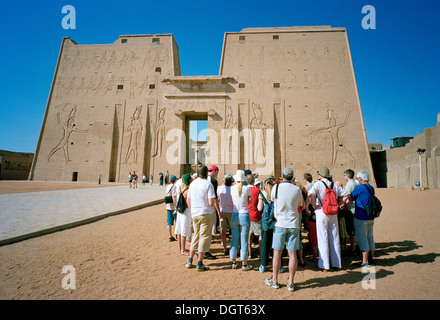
(196, 136)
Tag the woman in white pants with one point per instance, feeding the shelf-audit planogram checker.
(327, 227)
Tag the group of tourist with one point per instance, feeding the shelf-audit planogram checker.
(274, 211)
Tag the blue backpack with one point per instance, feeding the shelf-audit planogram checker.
(268, 219)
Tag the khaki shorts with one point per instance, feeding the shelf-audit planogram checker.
(225, 221)
(201, 240)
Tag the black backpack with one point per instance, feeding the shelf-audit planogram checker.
(181, 206)
(374, 208)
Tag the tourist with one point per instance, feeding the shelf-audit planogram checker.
(183, 223)
(171, 191)
(161, 179)
(363, 224)
(130, 179)
(135, 178)
(349, 215)
(326, 225)
(254, 214)
(200, 200)
(267, 224)
(303, 222)
(144, 179)
(167, 176)
(287, 232)
(311, 218)
(151, 179)
(226, 208)
(343, 235)
(212, 177)
(240, 221)
(308, 178)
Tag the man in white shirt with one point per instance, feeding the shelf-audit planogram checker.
(327, 226)
(200, 200)
(287, 199)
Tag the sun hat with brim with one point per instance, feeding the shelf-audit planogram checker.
(239, 176)
(228, 176)
(257, 181)
(173, 178)
(324, 172)
(213, 168)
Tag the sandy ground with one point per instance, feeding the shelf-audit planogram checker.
(129, 257)
(7, 187)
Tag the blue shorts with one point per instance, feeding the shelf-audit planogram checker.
(286, 237)
(170, 217)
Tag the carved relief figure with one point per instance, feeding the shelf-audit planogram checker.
(135, 130)
(333, 130)
(259, 130)
(230, 124)
(112, 60)
(143, 86)
(68, 129)
(158, 133)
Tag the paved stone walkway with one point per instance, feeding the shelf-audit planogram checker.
(31, 214)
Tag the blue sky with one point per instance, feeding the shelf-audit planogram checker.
(396, 65)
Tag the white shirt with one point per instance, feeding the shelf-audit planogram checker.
(171, 190)
(224, 194)
(351, 184)
(318, 190)
(240, 202)
(200, 190)
(286, 205)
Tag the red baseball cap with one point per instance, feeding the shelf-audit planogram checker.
(213, 168)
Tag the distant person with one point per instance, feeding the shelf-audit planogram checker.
(167, 176)
(161, 179)
(135, 179)
(363, 224)
(130, 179)
(201, 199)
(144, 179)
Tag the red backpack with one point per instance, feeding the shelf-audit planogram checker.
(330, 205)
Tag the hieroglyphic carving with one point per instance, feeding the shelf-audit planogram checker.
(68, 129)
(158, 133)
(259, 133)
(135, 131)
(333, 129)
(230, 123)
